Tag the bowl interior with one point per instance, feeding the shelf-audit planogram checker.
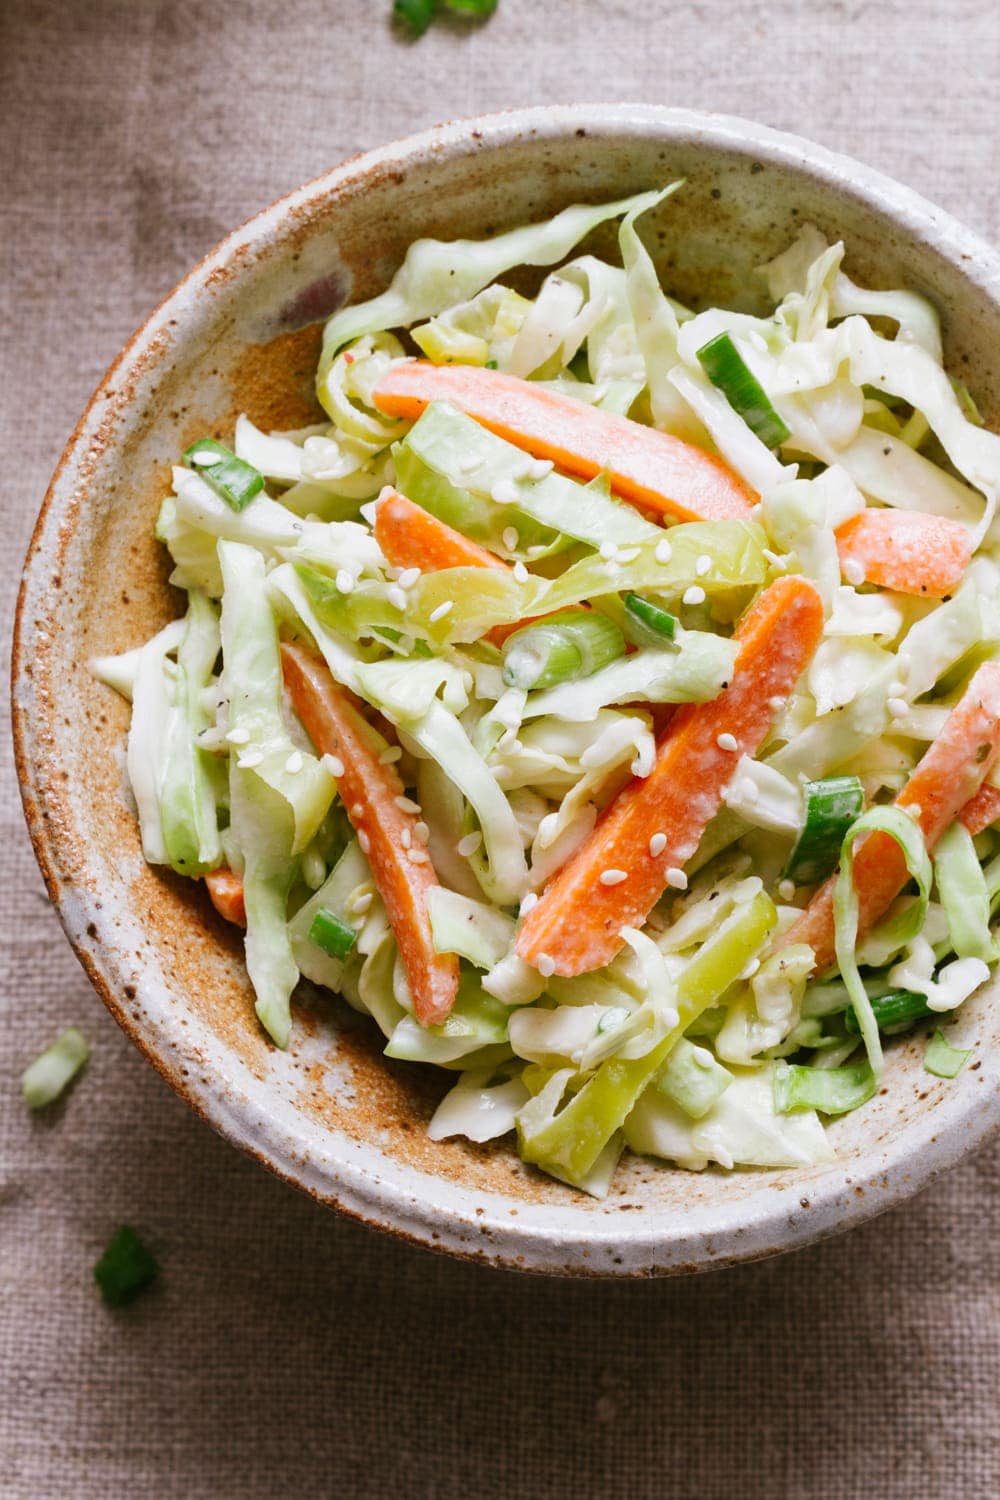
(241, 334)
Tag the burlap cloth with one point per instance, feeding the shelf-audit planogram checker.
(288, 1352)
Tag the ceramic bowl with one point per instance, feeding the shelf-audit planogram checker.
(241, 333)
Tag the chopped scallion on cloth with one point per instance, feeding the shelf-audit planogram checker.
(125, 1269)
(54, 1069)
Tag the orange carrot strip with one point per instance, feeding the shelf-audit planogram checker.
(982, 810)
(950, 773)
(906, 551)
(577, 923)
(649, 468)
(371, 793)
(225, 891)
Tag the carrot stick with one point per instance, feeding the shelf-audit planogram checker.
(651, 469)
(225, 891)
(949, 775)
(906, 550)
(371, 791)
(982, 810)
(576, 926)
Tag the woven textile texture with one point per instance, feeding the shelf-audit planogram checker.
(287, 1352)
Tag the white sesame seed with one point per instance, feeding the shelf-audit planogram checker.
(896, 688)
(334, 765)
(396, 596)
(546, 965)
(853, 571)
(358, 810)
(364, 841)
(677, 879)
(407, 804)
(250, 759)
(898, 707)
(406, 838)
(613, 877)
(786, 889)
(408, 577)
(541, 467)
(914, 811)
(750, 969)
(387, 756)
(657, 844)
(529, 903)
(664, 551)
(608, 550)
(777, 703)
(627, 554)
(547, 827)
(469, 844)
(694, 595)
(294, 762)
(418, 856)
(727, 741)
(441, 611)
(703, 565)
(206, 458)
(344, 581)
(520, 572)
(510, 537)
(504, 493)
(421, 832)
(775, 559)
(238, 736)
(361, 903)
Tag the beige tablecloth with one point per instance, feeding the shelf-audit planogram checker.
(287, 1352)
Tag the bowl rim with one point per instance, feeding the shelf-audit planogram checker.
(539, 1239)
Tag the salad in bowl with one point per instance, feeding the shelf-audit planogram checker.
(604, 698)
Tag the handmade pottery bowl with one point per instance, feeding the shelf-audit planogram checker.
(241, 333)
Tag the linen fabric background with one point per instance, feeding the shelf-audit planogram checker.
(287, 1351)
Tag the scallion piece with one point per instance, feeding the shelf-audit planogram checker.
(833, 1091)
(331, 934)
(895, 1009)
(125, 1269)
(233, 480)
(944, 1060)
(473, 7)
(725, 368)
(831, 807)
(54, 1069)
(647, 624)
(417, 14)
(562, 648)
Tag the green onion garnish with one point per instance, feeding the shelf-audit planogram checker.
(52, 1071)
(647, 624)
(724, 366)
(125, 1269)
(895, 1009)
(562, 648)
(331, 934)
(944, 1060)
(473, 7)
(417, 14)
(831, 807)
(233, 480)
(833, 1091)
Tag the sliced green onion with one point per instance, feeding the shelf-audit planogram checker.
(831, 807)
(833, 1091)
(562, 648)
(944, 1060)
(125, 1269)
(897, 1008)
(473, 7)
(233, 480)
(417, 14)
(724, 366)
(331, 934)
(647, 624)
(51, 1072)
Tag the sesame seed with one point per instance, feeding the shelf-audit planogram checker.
(677, 879)
(914, 811)
(608, 550)
(469, 844)
(529, 903)
(786, 889)
(547, 827)
(510, 537)
(421, 832)
(406, 838)
(364, 841)
(546, 965)
(898, 707)
(358, 810)
(334, 765)
(418, 856)
(361, 903)
(344, 581)
(777, 703)
(613, 877)
(520, 572)
(407, 804)
(853, 571)
(387, 756)
(205, 458)
(251, 759)
(775, 559)
(541, 467)
(441, 611)
(396, 596)
(694, 595)
(408, 577)
(627, 554)
(294, 762)
(727, 741)
(657, 844)
(664, 551)
(504, 493)
(751, 969)
(703, 565)
(238, 736)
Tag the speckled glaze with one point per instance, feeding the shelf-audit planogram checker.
(241, 333)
